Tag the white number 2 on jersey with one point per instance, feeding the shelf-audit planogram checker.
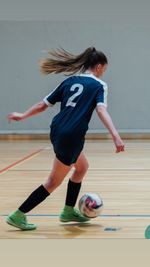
(73, 87)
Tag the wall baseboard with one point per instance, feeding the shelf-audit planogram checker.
(89, 136)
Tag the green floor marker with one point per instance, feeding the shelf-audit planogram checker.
(147, 232)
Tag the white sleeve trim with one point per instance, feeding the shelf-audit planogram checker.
(101, 104)
(45, 98)
(105, 96)
(47, 103)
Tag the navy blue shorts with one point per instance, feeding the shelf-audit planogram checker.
(67, 147)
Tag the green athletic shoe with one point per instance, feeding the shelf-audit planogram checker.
(71, 214)
(147, 232)
(19, 220)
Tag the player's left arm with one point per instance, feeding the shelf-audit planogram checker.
(35, 109)
(107, 121)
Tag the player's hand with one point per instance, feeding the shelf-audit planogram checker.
(15, 116)
(119, 144)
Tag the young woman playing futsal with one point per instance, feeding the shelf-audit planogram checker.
(79, 95)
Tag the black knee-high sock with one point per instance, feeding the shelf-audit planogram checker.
(34, 199)
(72, 193)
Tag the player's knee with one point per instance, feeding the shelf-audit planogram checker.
(87, 166)
(83, 169)
(53, 183)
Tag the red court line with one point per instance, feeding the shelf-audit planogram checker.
(21, 160)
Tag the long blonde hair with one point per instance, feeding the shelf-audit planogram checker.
(62, 61)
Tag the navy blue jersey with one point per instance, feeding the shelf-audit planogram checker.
(79, 95)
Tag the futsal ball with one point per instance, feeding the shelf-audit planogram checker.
(90, 205)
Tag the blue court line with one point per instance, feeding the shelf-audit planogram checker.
(102, 216)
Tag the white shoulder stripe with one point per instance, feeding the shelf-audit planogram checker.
(105, 94)
(91, 75)
(105, 87)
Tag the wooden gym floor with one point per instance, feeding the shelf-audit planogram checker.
(122, 180)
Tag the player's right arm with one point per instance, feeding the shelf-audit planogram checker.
(35, 109)
(107, 121)
(49, 100)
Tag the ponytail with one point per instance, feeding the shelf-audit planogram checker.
(62, 61)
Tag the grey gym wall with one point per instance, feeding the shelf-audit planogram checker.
(124, 36)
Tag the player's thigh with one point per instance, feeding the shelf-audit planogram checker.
(81, 164)
(59, 169)
(57, 175)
